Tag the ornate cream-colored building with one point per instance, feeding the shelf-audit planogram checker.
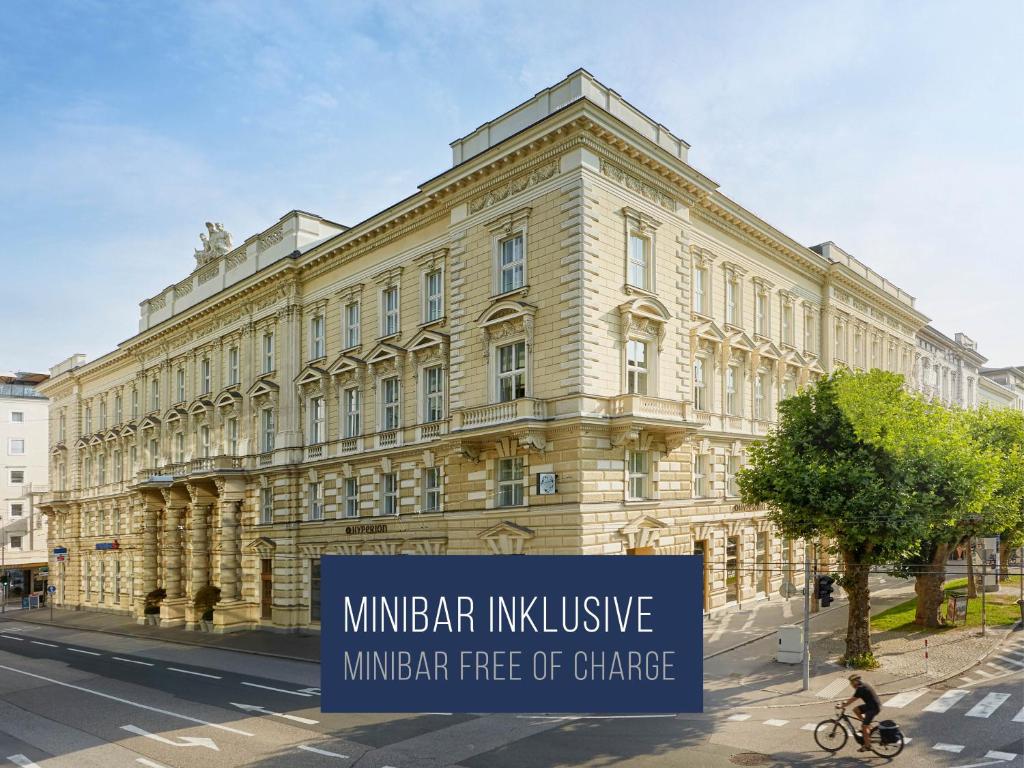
(564, 343)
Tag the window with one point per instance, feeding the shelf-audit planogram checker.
(432, 489)
(840, 341)
(117, 580)
(316, 501)
(638, 468)
(135, 410)
(234, 376)
(204, 441)
(433, 296)
(15, 446)
(700, 290)
(86, 580)
(154, 395)
(389, 311)
(180, 379)
(639, 261)
(700, 476)
(102, 580)
(732, 467)
(316, 420)
(268, 352)
(17, 417)
(510, 482)
(700, 385)
(761, 396)
(205, 375)
(351, 497)
(761, 313)
(179, 447)
(636, 367)
(266, 506)
(352, 324)
(103, 414)
(512, 371)
(267, 429)
(118, 409)
(314, 589)
(732, 395)
(732, 289)
(858, 347)
(88, 419)
(350, 406)
(101, 464)
(512, 265)
(788, 387)
(876, 352)
(787, 323)
(389, 494)
(17, 509)
(118, 467)
(15, 542)
(316, 337)
(433, 393)
(62, 427)
(154, 452)
(389, 404)
(86, 471)
(232, 430)
(133, 459)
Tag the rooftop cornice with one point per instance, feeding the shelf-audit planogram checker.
(843, 275)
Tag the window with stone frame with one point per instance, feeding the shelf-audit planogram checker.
(179, 379)
(858, 347)
(317, 420)
(510, 473)
(206, 375)
(733, 390)
(154, 394)
(179, 447)
(641, 250)
(431, 480)
(154, 452)
(433, 295)
(388, 493)
(101, 469)
(733, 306)
(788, 322)
(266, 505)
(511, 371)
(204, 441)
(267, 430)
(62, 426)
(232, 436)
(762, 304)
(732, 468)
(353, 325)
(511, 263)
(638, 469)
(135, 408)
(700, 475)
(638, 273)
(433, 393)
(234, 375)
(839, 347)
(701, 289)
(876, 352)
(389, 311)
(761, 390)
(350, 497)
(118, 409)
(637, 367)
(87, 420)
(103, 414)
(700, 384)
(315, 500)
(118, 466)
(351, 412)
(317, 341)
(390, 413)
(267, 352)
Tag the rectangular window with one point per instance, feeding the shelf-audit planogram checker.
(876, 353)
(700, 476)
(433, 299)
(389, 494)
(389, 311)
(154, 452)
(840, 341)
(700, 385)
(761, 396)
(510, 482)
(316, 337)
(433, 393)
(809, 332)
(317, 420)
(15, 542)
(314, 589)
(88, 419)
(431, 489)
(352, 332)
(86, 471)
(15, 446)
(267, 429)
(204, 441)
(154, 395)
(117, 581)
(133, 456)
(700, 289)
(512, 266)
(266, 506)
(638, 468)
(639, 256)
(351, 408)
(389, 403)
(62, 427)
(118, 467)
(316, 501)
(512, 371)
(732, 395)
(101, 464)
(180, 379)
(17, 417)
(732, 467)
(234, 377)
(787, 324)
(103, 414)
(17, 509)
(205, 375)
(351, 497)
(135, 410)
(179, 447)
(731, 297)
(761, 314)
(636, 367)
(232, 435)
(118, 409)
(86, 580)
(268, 352)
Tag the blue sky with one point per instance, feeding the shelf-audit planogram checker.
(892, 128)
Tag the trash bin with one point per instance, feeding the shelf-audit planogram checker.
(790, 648)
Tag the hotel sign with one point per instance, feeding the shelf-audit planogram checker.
(366, 528)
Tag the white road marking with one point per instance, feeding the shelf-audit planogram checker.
(12, 637)
(23, 761)
(983, 673)
(89, 653)
(957, 748)
(148, 763)
(324, 752)
(832, 690)
(809, 727)
(186, 741)
(131, 661)
(1010, 660)
(264, 711)
(999, 668)
(197, 674)
(988, 705)
(316, 692)
(737, 718)
(279, 690)
(994, 755)
(776, 723)
(900, 700)
(1019, 717)
(129, 702)
(946, 701)
(48, 645)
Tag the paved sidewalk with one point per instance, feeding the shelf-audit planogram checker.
(296, 647)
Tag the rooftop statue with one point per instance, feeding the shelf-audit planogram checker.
(216, 242)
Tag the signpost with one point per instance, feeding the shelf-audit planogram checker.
(52, 590)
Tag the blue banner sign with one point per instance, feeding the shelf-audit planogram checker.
(106, 545)
(60, 550)
(572, 633)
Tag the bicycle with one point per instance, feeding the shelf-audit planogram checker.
(831, 735)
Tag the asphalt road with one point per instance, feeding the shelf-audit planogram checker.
(79, 699)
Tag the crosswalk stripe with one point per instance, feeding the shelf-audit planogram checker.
(776, 723)
(1019, 717)
(994, 755)
(999, 668)
(1010, 660)
(988, 705)
(958, 748)
(946, 701)
(809, 727)
(983, 673)
(902, 699)
(738, 718)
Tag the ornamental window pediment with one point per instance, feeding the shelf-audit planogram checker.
(740, 340)
(644, 317)
(228, 397)
(95, 440)
(264, 388)
(150, 422)
(385, 358)
(792, 357)
(708, 330)
(110, 434)
(508, 318)
(312, 377)
(642, 531)
(506, 538)
(81, 443)
(263, 546)
(345, 365)
(200, 406)
(768, 349)
(175, 415)
(429, 346)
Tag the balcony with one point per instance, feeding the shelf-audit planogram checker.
(314, 452)
(389, 439)
(350, 445)
(499, 414)
(211, 464)
(432, 431)
(645, 407)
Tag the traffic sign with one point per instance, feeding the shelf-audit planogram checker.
(51, 589)
(60, 550)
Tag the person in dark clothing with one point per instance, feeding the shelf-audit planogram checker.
(867, 711)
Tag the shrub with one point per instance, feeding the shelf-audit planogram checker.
(206, 598)
(153, 600)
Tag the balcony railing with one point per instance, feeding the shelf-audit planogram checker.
(214, 463)
(499, 413)
(646, 407)
(265, 459)
(349, 444)
(388, 439)
(314, 452)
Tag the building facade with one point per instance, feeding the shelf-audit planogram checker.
(1004, 387)
(23, 470)
(564, 343)
(948, 370)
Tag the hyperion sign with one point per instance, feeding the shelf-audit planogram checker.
(511, 634)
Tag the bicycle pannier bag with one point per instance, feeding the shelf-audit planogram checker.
(888, 732)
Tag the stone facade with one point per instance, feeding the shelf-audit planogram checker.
(564, 343)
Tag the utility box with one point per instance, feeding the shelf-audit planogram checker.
(790, 649)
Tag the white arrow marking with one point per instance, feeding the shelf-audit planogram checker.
(23, 761)
(277, 690)
(316, 691)
(323, 752)
(264, 711)
(186, 741)
(148, 763)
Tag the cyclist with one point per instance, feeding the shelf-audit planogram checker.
(867, 711)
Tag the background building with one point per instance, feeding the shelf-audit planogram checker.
(24, 448)
(1003, 380)
(948, 370)
(564, 343)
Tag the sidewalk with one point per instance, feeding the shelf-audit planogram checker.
(295, 647)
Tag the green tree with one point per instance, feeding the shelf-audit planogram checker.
(821, 479)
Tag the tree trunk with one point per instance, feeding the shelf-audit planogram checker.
(858, 625)
(928, 587)
(1004, 556)
(972, 586)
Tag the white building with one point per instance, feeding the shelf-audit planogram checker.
(948, 370)
(1001, 381)
(24, 445)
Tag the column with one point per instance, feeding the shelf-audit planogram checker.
(172, 546)
(230, 511)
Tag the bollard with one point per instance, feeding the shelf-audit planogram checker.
(926, 656)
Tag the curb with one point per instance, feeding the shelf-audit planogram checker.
(769, 634)
(175, 641)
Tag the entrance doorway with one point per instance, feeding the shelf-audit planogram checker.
(732, 585)
(700, 548)
(266, 589)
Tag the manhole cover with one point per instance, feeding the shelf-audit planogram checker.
(750, 758)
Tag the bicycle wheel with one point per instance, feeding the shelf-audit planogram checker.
(830, 735)
(885, 750)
